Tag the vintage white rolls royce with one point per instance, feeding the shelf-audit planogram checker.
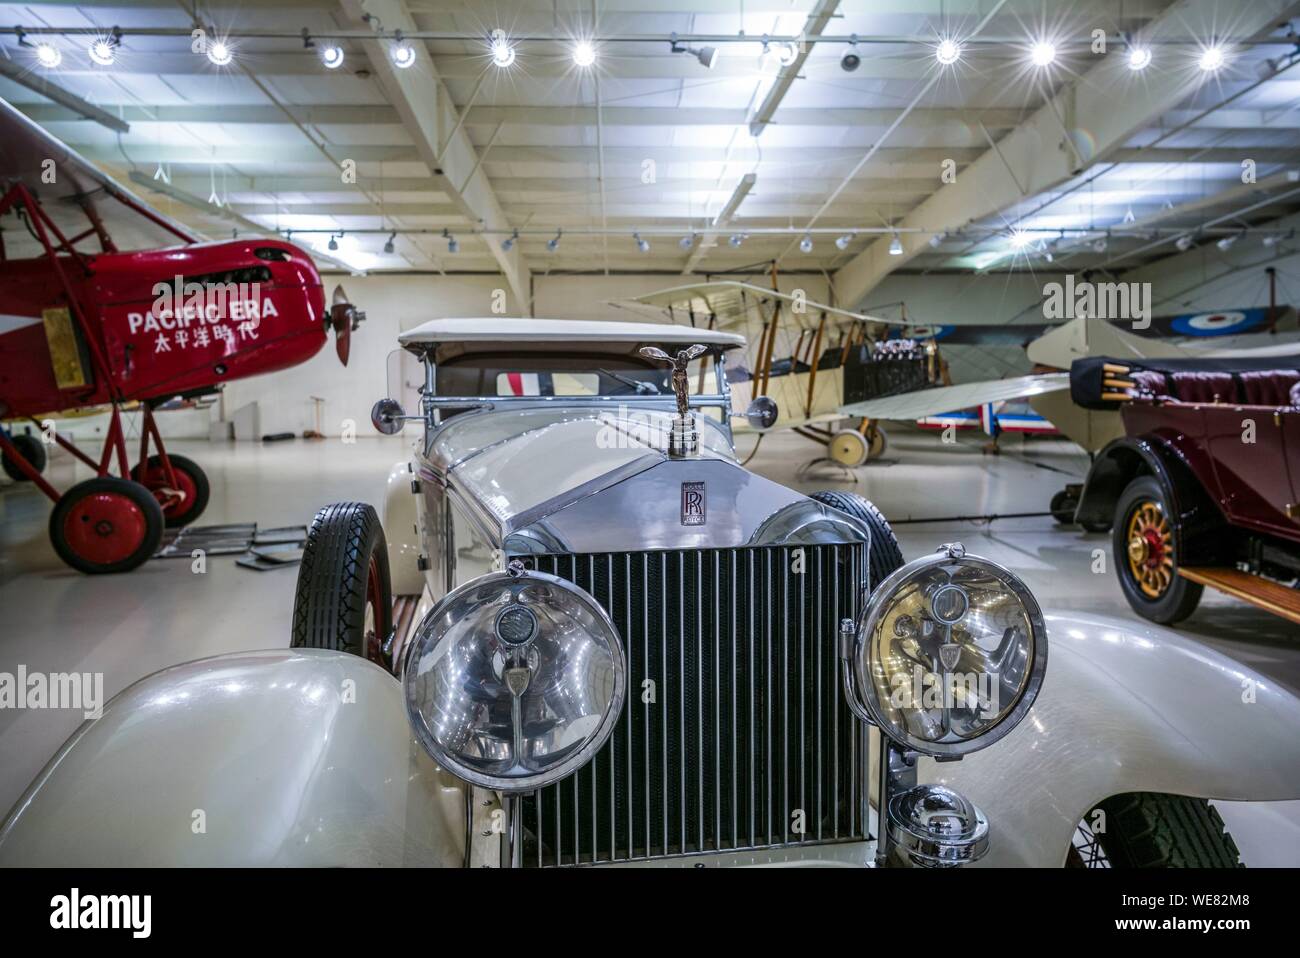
(579, 631)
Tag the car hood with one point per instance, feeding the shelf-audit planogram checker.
(597, 479)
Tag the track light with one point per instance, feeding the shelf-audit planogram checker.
(452, 245)
(1139, 58)
(735, 239)
(1227, 242)
(708, 56)
(948, 52)
(786, 53)
(851, 61)
(401, 53)
(553, 243)
(1099, 244)
(503, 53)
(103, 50)
(388, 246)
(842, 242)
(48, 56)
(584, 54)
(1273, 239)
(508, 243)
(331, 56)
(333, 243)
(220, 53)
(1211, 59)
(935, 241)
(806, 244)
(1019, 239)
(1042, 53)
(895, 246)
(641, 244)
(686, 242)
(1184, 242)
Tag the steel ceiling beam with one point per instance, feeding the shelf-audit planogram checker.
(1103, 101)
(430, 117)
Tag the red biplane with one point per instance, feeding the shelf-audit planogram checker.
(106, 327)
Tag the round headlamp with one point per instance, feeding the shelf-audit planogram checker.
(514, 680)
(949, 654)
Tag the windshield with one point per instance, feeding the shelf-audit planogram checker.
(532, 375)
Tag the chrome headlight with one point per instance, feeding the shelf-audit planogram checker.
(514, 680)
(949, 653)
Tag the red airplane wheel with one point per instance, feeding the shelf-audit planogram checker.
(183, 504)
(106, 525)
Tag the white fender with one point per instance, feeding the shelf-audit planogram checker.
(291, 757)
(401, 531)
(1127, 707)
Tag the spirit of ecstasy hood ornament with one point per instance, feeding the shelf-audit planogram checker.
(684, 439)
(679, 363)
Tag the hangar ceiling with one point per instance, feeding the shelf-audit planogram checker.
(650, 160)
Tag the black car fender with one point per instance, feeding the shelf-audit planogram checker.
(1198, 521)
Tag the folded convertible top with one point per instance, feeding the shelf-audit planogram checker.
(1103, 382)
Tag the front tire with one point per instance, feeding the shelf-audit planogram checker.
(32, 449)
(1143, 542)
(1144, 830)
(106, 525)
(344, 599)
(885, 555)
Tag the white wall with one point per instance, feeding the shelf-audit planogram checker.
(395, 303)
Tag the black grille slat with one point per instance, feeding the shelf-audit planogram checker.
(747, 725)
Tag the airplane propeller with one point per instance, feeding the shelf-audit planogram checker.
(344, 318)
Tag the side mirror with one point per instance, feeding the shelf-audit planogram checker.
(762, 413)
(388, 416)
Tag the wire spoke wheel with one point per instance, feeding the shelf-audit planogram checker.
(1150, 549)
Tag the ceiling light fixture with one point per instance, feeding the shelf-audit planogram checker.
(452, 245)
(388, 246)
(937, 240)
(1019, 239)
(851, 61)
(1099, 244)
(1139, 58)
(842, 242)
(334, 243)
(735, 239)
(1042, 53)
(895, 246)
(401, 53)
(331, 56)
(103, 50)
(1211, 59)
(1184, 242)
(508, 243)
(686, 242)
(641, 244)
(503, 53)
(806, 244)
(786, 53)
(584, 54)
(553, 243)
(220, 53)
(948, 51)
(708, 56)
(48, 56)
(1227, 242)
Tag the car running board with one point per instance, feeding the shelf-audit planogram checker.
(1258, 591)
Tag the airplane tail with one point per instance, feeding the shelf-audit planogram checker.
(1081, 338)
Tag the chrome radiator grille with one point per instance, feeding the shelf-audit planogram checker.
(742, 741)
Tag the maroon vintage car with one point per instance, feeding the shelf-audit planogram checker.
(1204, 488)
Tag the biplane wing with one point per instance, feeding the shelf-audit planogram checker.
(730, 303)
(932, 402)
(72, 190)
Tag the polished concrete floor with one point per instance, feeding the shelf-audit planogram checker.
(127, 626)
